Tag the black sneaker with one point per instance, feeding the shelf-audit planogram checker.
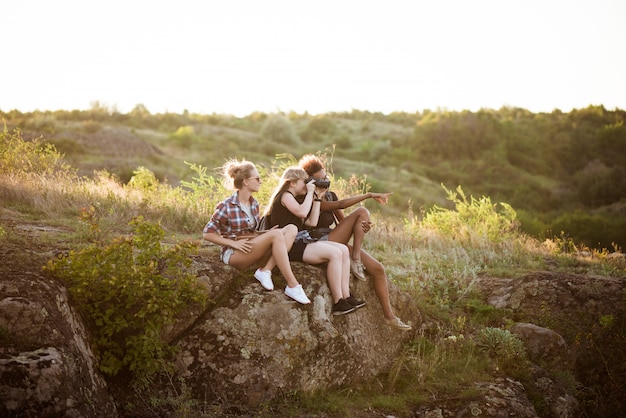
(355, 302)
(342, 307)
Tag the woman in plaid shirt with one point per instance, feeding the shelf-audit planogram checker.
(233, 226)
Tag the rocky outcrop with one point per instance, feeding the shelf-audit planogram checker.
(47, 368)
(558, 316)
(248, 345)
(543, 345)
(253, 344)
(555, 298)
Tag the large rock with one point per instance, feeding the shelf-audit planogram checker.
(499, 399)
(547, 297)
(47, 368)
(544, 346)
(559, 316)
(252, 344)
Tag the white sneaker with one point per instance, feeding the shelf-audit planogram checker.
(265, 278)
(297, 293)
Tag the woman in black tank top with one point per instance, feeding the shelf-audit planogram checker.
(284, 209)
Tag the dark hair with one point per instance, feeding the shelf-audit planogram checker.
(311, 164)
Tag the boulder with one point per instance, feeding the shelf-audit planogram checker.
(501, 398)
(543, 345)
(252, 344)
(548, 297)
(47, 368)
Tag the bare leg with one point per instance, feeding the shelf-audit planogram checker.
(345, 267)
(351, 227)
(289, 234)
(373, 266)
(273, 240)
(321, 252)
(380, 281)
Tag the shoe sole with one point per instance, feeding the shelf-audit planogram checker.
(337, 313)
(359, 306)
(266, 288)
(399, 328)
(294, 299)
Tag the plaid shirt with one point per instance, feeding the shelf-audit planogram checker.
(229, 219)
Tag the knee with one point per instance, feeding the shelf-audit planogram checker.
(362, 212)
(289, 232)
(335, 256)
(377, 269)
(276, 234)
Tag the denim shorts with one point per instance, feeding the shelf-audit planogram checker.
(225, 256)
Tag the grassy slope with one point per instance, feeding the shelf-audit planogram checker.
(436, 267)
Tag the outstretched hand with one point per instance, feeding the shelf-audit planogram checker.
(381, 197)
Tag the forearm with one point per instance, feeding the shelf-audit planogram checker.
(217, 239)
(304, 209)
(344, 203)
(314, 215)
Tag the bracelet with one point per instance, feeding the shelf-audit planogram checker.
(317, 200)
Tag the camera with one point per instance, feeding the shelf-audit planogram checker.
(321, 183)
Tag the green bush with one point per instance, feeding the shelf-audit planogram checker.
(320, 128)
(473, 218)
(18, 156)
(592, 230)
(130, 289)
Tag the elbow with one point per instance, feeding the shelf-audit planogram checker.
(302, 214)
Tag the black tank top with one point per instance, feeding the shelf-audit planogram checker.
(281, 216)
(327, 217)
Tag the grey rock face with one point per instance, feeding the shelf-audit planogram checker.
(46, 365)
(253, 344)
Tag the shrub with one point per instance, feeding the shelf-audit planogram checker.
(473, 217)
(130, 289)
(502, 346)
(18, 156)
(319, 129)
(280, 129)
(184, 136)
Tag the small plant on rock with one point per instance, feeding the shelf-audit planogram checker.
(502, 346)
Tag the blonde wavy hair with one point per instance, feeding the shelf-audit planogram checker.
(235, 172)
(290, 174)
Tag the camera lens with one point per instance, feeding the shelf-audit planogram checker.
(322, 183)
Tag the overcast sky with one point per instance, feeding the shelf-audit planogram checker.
(238, 57)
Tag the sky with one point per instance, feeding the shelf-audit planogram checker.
(238, 57)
